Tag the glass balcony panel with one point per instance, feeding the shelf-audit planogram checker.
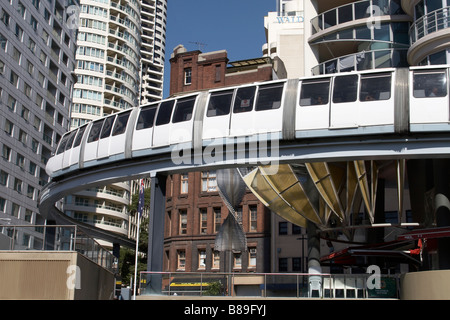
(330, 18)
(361, 10)
(363, 33)
(383, 59)
(364, 61)
(346, 34)
(345, 13)
(382, 33)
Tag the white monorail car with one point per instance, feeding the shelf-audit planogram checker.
(356, 103)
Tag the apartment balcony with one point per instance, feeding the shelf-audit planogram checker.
(429, 34)
(348, 14)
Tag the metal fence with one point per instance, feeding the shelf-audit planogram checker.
(56, 238)
(296, 285)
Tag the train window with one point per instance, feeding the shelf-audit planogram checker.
(62, 145)
(164, 112)
(95, 130)
(107, 127)
(70, 140)
(345, 89)
(121, 123)
(375, 87)
(79, 136)
(429, 85)
(146, 117)
(183, 110)
(269, 97)
(219, 103)
(314, 92)
(244, 99)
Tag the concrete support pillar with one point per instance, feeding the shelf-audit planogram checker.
(442, 208)
(315, 281)
(156, 233)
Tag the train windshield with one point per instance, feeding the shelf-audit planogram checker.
(70, 140)
(430, 84)
(375, 87)
(314, 92)
(146, 117)
(62, 145)
(164, 112)
(269, 97)
(244, 99)
(219, 103)
(345, 89)
(121, 123)
(183, 110)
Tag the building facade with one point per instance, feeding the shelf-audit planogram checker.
(120, 58)
(37, 56)
(153, 44)
(194, 208)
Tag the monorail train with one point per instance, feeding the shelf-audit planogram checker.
(380, 101)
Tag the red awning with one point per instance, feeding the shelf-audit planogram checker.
(430, 233)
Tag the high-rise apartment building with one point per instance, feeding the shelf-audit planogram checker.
(37, 51)
(108, 71)
(153, 22)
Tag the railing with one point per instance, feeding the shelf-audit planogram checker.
(355, 11)
(366, 60)
(56, 238)
(296, 285)
(427, 24)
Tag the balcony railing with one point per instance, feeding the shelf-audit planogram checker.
(430, 23)
(58, 238)
(298, 285)
(355, 11)
(367, 60)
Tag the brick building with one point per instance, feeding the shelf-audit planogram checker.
(194, 70)
(194, 208)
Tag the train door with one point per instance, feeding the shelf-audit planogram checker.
(242, 121)
(143, 134)
(68, 149)
(216, 123)
(344, 103)
(59, 155)
(376, 99)
(91, 146)
(117, 140)
(161, 130)
(105, 140)
(181, 125)
(429, 97)
(268, 116)
(314, 105)
(76, 147)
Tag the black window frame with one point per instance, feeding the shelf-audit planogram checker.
(146, 113)
(268, 93)
(213, 107)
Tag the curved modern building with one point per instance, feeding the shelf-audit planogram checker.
(429, 32)
(362, 35)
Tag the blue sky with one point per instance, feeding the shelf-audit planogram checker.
(233, 25)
